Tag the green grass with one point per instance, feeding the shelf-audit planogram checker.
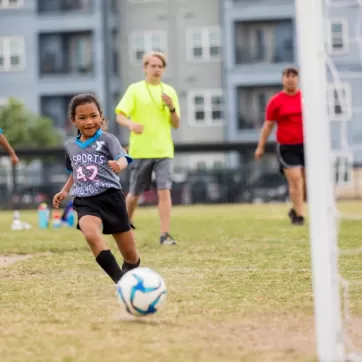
(239, 289)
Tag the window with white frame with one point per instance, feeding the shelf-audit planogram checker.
(343, 167)
(12, 54)
(337, 36)
(143, 42)
(339, 101)
(205, 107)
(10, 4)
(203, 44)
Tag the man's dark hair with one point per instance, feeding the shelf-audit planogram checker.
(291, 70)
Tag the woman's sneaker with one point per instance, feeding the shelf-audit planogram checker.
(167, 239)
(292, 215)
(299, 220)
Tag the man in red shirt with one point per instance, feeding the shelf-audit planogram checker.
(285, 110)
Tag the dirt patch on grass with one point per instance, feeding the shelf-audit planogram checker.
(264, 339)
(283, 335)
(277, 338)
(6, 260)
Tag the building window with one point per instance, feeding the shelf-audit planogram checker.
(252, 103)
(10, 4)
(203, 44)
(337, 35)
(55, 108)
(264, 42)
(66, 53)
(343, 168)
(115, 52)
(206, 107)
(339, 102)
(144, 42)
(12, 54)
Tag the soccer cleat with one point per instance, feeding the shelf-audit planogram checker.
(167, 239)
(292, 215)
(299, 220)
(127, 266)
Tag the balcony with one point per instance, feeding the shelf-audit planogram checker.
(55, 108)
(66, 54)
(63, 6)
(252, 103)
(268, 42)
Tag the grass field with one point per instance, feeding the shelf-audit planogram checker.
(239, 289)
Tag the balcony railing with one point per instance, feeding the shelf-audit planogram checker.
(61, 6)
(52, 69)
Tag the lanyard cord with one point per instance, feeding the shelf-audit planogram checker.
(151, 96)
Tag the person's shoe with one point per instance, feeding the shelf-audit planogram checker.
(167, 239)
(292, 215)
(299, 220)
(127, 266)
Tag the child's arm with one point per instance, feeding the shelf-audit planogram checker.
(120, 157)
(6, 145)
(68, 185)
(60, 196)
(122, 163)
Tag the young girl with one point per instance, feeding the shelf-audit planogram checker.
(94, 158)
(6, 145)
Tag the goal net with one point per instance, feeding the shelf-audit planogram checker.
(329, 35)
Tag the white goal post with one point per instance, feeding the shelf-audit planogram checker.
(322, 210)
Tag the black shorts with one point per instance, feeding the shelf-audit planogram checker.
(290, 156)
(110, 207)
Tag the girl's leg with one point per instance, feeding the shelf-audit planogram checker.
(91, 229)
(127, 246)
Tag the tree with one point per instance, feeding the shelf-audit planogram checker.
(23, 128)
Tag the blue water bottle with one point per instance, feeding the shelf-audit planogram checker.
(43, 216)
(71, 217)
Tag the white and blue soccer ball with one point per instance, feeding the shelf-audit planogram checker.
(141, 291)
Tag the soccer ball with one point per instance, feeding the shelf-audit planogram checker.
(141, 291)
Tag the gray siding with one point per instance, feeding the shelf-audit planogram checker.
(27, 85)
(174, 19)
(348, 65)
(248, 74)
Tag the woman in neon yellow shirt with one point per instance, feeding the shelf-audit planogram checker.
(149, 109)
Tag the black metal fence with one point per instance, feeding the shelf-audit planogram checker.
(41, 174)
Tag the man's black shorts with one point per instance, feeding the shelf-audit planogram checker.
(109, 206)
(290, 156)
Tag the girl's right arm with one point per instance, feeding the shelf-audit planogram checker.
(68, 185)
(60, 196)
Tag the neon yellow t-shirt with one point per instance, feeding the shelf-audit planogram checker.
(143, 104)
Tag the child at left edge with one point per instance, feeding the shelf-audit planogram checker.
(6, 145)
(94, 158)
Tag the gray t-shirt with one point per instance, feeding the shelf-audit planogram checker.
(88, 163)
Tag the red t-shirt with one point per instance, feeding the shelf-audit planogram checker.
(286, 110)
